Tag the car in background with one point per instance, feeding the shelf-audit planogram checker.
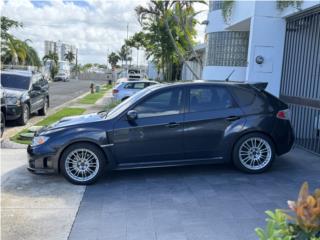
(124, 90)
(3, 109)
(26, 92)
(168, 125)
(63, 72)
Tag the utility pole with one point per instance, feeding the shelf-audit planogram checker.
(127, 39)
(77, 63)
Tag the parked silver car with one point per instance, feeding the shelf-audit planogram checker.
(124, 90)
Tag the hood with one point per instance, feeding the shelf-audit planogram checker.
(76, 120)
(14, 92)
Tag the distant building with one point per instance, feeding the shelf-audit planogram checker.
(59, 48)
(50, 46)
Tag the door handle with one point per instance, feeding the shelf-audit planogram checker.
(232, 118)
(172, 125)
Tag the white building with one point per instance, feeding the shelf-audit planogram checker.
(194, 64)
(59, 48)
(267, 41)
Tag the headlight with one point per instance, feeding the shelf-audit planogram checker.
(13, 101)
(39, 140)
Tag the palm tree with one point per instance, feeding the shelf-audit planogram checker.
(15, 51)
(124, 53)
(168, 14)
(136, 41)
(113, 59)
(53, 58)
(69, 56)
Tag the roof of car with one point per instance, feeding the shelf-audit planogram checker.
(139, 81)
(25, 73)
(259, 85)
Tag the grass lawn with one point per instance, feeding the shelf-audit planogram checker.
(65, 112)
(91, 98)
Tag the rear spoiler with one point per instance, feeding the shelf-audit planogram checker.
(259, 85)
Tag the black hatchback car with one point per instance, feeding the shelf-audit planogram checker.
(26, 92)
(168, 125)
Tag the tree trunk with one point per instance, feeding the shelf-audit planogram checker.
(177, 50)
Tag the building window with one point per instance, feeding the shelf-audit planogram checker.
(215, 5)
(227, 49)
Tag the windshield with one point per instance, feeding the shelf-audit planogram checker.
(15, 81)
(125, 104)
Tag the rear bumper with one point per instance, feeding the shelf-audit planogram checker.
(283, 136)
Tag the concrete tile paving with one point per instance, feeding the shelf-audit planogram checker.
(190, 203)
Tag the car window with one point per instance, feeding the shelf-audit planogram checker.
(206, 98)
(161, 104)
(139, 85)
(129, 86)
(244, 97)
(15, 81)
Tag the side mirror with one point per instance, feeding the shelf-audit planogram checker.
(132, 115)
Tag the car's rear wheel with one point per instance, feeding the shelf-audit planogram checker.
(82, 163)
(43, 111)
(25, 114)
(254, 153)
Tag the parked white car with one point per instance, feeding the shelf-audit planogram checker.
(124, 90)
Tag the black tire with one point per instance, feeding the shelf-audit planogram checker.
(25, 114)
(43, 111)
(266, 153)
(90, 148)
(3, 123)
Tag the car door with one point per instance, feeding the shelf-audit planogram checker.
(210, 111)
(35, 93)
(156, 135)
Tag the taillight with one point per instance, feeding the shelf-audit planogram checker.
(115, 91)
(284, 114)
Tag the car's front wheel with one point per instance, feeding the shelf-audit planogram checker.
(254, 153)
(25, 114)
(82, 163)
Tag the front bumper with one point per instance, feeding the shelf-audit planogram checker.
(13, 112)
(40, 162)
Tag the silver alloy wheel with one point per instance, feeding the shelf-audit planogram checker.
(82, 165)
(255, 153)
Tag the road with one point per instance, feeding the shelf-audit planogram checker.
(61, 92)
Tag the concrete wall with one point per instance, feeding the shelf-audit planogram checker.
(95, 76)
(267, 38)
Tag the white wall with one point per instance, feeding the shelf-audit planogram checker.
(222, 72)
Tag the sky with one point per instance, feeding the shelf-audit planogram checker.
(95, 27)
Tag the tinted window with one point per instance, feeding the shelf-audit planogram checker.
(15, 81)
(209, 98)
(244, 97)
(129, 86)
(164, 103)
(139, 85)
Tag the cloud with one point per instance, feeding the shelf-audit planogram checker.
(95, 27)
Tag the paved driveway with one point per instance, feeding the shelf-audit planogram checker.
(190, 203)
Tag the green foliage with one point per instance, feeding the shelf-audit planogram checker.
(227, 9)
(13, 50)
(65, 112)
(124, 53)
(69, 56)
(277, 227)
(113, 59)
(53, 58)
(168, 34)
(281, 4)
(302, 222)
(92, 98)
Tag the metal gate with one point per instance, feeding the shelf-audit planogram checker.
(300, 84)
